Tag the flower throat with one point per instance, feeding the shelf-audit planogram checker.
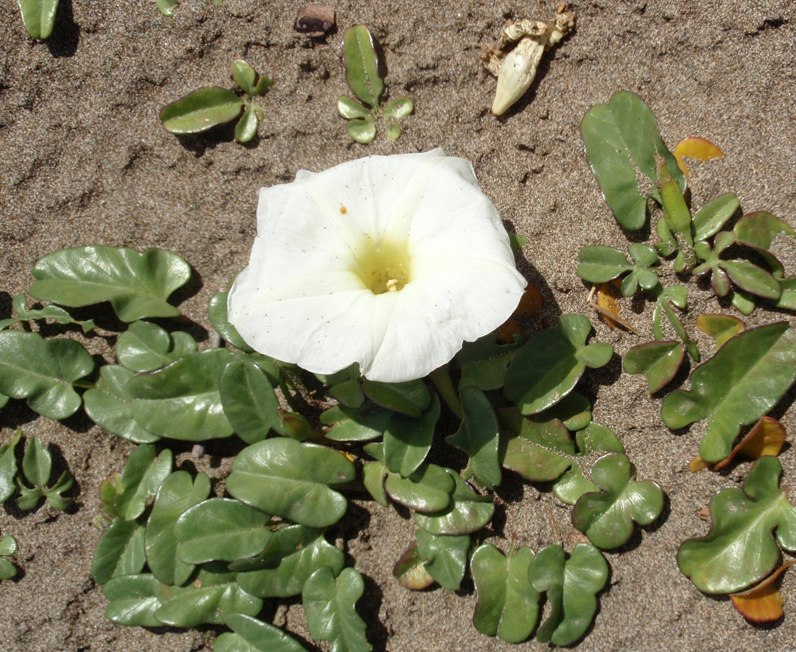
(382, 266)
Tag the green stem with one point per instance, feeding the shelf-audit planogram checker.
(441, 378)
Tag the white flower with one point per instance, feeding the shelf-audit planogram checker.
(388, 261)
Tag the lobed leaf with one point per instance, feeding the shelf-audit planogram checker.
(56, 313)
(758, 230)
(407, 440)
(468, 512)
(478, 437)
(146, 347)
(120, 551)
(248, 401)
(260, 636)
(598, 264)
(591, 440)
(427, 490)
(37, 466)
(538, 451)
(137, 285)
(141, 479)
(444, 557)
(659, 361)
(484, 362)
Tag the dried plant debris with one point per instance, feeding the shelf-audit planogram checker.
(516, 56)
(315, 20)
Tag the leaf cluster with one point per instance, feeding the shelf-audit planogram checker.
(362, 74)
(211, 106)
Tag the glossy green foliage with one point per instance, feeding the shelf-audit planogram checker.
(507, 606)
(571, 586)
(37, 467)
(427, 490)
(182, 401)
(479, 437)
(60, 316)
(407, 441)
(252, 635)
(110, 405)
(137, 285)
(709, 219)
(121, 551)
(659, 361)
(248, 400)
(43, 372)
(467, 513)
(217, 312)
(349, 393)
(607, 517)
(211, 106)
(599, 264)
(738, 385)
(293, 480)
(8, 548)
(221, 529)
(292, 554)
(741, 547)
(329, 604)
(676, 295)
(356, 424)
(8, 466)
(538, 451)
(38, 17)
(549, 366)
(444, 557)
(484, 362)
(410, 398)
(141, 479)
(362, 74)
(621, 138)
(591, 440)
(758, 230)
(177, 493)
(574, 411)
(147, 347)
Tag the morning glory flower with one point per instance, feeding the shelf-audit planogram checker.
(388, 261)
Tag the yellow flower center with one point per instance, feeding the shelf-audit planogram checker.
(383, 266)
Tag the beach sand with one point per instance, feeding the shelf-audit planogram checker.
(84, 160)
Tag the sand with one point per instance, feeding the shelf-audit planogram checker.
(84, 160)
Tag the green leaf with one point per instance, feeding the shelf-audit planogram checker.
(607, 517)
(662, 306)
(43, 372)
(182, 401)
(709, 219)
(398, 108)
(659, 361)
(292, 554)
(110, 406)
(467, 513)
(410, 570)
(360, 424)
(56, 313)
(741, 547)
(787, 299)
(478, 437)
(38, 17)
(393, 131)
(221, 529)
(120, 551)
(571, 586)
(538, 451)
(134, 599)
(210, 598)
(428, 489)
(549, 366)
(244, 75)
(37, 466)
(597, 264)
(8, 547)
(331, 615)
(261, 636)
(352, 110)
(137, 285)
(178, 492)
(410, 398)
(484, 362)
(622, 139)
(246, 129)
(751, 278)
(407, 440)
(147, 347)
(743, 302)
(362, 66)
(349, 393)
(720, 327)
(263, 86)
(737, 386)
(249, 401)
(507, 606)
(8, 466)
(201, 110)
(574, 410)
(362, 130)
(141, 479)
(759, 230)
(444, 557)
(289, 479)
(217, 311)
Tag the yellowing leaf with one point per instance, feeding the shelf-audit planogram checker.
(762, 603)
(720, 327)
(606, 299)
(766, 438)
(507, 331)
(694, 147)
(697, 464)
(530, 303)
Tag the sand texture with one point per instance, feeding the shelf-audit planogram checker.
(84, 160)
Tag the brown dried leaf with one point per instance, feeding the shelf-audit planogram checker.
(762, 603)
(766, 438)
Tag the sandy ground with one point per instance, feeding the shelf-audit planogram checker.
(84, 160)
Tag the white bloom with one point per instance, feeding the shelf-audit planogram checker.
(388, 261)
